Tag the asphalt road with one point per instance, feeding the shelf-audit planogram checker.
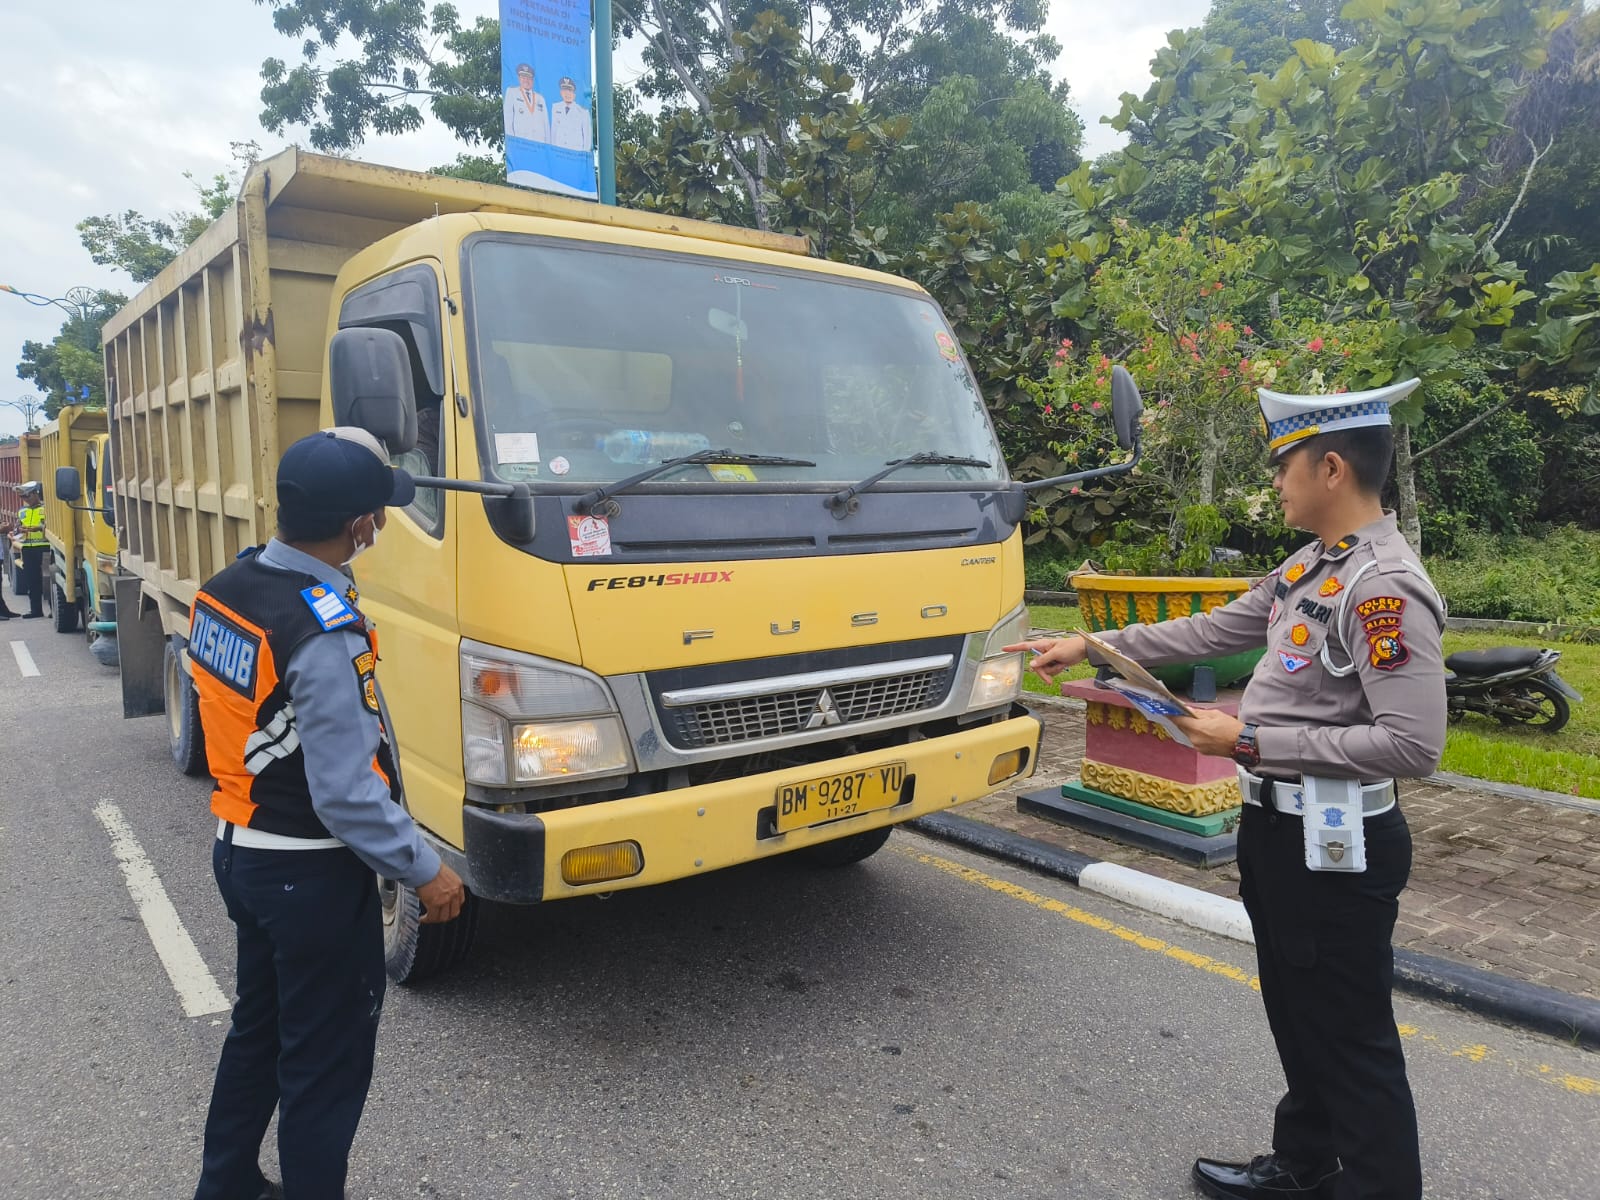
(929, 1024)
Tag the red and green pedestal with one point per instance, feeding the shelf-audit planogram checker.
(1138, 785)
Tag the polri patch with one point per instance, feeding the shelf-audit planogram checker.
(328, 607)
(366, 664)
(1317, 612)
(1386, 645)
(1293, 662)
(1300, 635)
(1293, 573)
(1330, 586)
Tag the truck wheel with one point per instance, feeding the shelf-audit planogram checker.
(841, 852)
(413, 951)
(66, 614)
(185, 738)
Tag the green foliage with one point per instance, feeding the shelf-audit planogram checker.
(1554, 578)
(1262, 33)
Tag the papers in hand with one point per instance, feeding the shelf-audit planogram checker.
(1147, 693)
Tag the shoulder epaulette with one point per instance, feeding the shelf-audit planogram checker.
(328, 607)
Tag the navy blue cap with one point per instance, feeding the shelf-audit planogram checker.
(340, 472)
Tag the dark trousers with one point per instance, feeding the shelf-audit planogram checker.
(33, 577)
(311, 985)
(1326, 961)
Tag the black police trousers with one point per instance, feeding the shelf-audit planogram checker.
(33, 577)
(1326, 961)
(305, 1024)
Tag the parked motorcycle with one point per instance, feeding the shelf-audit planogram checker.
(1514, 685)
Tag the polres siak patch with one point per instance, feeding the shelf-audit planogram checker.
(1293, 662)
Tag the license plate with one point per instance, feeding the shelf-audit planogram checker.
(814, 801)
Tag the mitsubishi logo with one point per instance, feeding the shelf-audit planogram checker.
(825, 713)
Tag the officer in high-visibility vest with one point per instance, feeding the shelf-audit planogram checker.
(284, 665)
(30, 537)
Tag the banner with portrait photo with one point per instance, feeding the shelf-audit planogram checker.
(547, 79)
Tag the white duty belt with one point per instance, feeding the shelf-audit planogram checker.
(1287, 797)
(260, 839)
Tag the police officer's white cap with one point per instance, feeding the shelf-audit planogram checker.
(1289, 419)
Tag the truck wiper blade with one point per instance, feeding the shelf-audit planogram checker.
(840, 501)
(590, 500)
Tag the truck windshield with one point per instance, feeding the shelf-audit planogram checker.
(594, 362)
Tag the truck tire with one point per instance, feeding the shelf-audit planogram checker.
(185, 738)
(66, 614)
(842, 852)
(413, 951)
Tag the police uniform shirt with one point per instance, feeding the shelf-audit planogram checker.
(340, 736)
(1363, 606)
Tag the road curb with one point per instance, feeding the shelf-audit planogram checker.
(1532, 1006)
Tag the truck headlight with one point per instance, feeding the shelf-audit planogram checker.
(999, 675)
(532, 720)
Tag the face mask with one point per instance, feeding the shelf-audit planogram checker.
(363, 547)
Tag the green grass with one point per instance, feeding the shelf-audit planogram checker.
(1566, 762)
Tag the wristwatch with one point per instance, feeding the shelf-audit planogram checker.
(1245, 751)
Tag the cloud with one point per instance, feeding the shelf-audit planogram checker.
(1106, 50)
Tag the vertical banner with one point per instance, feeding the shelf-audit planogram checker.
(546, 70)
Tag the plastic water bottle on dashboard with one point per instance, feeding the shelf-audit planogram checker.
(648, 446)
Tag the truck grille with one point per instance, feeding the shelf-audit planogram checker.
(781, 713)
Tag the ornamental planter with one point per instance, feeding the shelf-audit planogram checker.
(1116, 601)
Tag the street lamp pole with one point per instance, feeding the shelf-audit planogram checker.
(28, 406)
(76, 303)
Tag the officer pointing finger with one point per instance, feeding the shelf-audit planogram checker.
(285, 669)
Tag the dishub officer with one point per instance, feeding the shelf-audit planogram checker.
(1349, 695)
(284, 665)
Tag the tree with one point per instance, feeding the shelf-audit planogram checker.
(64, 367)
(1262, 33)
(1351, 164)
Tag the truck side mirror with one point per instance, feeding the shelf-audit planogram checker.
(369, 373)
(68, 488)
(1126, 407)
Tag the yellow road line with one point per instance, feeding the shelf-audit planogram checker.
(1577, 1084)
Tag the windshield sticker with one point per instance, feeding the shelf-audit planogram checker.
(730, 473)
(947, 345)
(591, 537)
(516, 447)
(559, 465)
(743, 281)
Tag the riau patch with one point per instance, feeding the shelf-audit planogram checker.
(1317, 612)
(1299, 635)
(1385, 642)
(366, 665)
(1330, 586)
(1293, 662)
(328, 607)
(1293, 573)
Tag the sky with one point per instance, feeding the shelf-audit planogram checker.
(105, 104)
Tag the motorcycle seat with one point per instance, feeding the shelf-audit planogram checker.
(1475, 664)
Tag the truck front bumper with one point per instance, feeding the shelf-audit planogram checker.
(516, 857)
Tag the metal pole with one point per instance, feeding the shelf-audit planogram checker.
(602, 92)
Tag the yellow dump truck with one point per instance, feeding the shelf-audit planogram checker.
(714, 552)
(80, 523)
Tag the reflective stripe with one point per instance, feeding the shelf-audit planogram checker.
(258, 839)
(32, 521)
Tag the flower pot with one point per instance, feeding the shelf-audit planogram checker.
(1117, 601)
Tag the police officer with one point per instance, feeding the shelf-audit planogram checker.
(283, 665)
(34, 545)
(1351, 689)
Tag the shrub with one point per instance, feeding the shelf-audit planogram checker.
(1555, 578)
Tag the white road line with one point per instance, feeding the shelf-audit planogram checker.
(197, 989)
(25, 662)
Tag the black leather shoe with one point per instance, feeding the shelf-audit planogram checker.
(33, 616)
(1265, 1177)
